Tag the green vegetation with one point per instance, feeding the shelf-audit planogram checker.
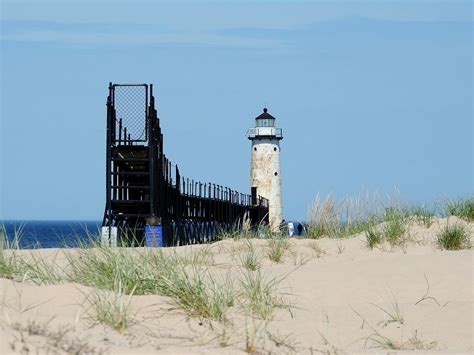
(316, 231)
(462, 208)
(110, 308)
(260, 294)
(454, 237)
(383, 221)
(415, 342)
(422, 215)
(276, 247)
(250, 260)
(374, 237)
(116, 272)
(8, 266)
(394, 227)
(29, 267)
(153, 272)
(393, 315)
(187, 279)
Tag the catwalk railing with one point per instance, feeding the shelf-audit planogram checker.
(141, 182)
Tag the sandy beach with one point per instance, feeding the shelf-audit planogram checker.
(328, 296)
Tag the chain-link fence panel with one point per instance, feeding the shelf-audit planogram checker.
(130, 103)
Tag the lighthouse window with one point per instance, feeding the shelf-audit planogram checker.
(276, 173)
(255, 148)
(275, 149)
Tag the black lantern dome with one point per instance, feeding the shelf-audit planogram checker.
(265, 119)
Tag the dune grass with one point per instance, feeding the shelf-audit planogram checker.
(374, 237)
(462, 208)
(315, 231)
(395, 226)
(392, 314)
(250, 259)
(187, 279)
(329, 217)
(12, 242)
(29, 267)
(453, 237)
(276, 247)
(385, 220)
(348, 216)
(152, 272)
(9, 268)
(191, 286)
(414, 342)
(110, 308)
(260, 294)
(422, 215)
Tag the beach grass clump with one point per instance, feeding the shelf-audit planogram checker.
(241, 229)
(395, 226)
(260, 294)
(195, 290)
(462, 208)
(346, 217)
(201, 256)
(39, 270)
(103, 267)
(250, 259)
(392, 228)
(9, 267)
(422, 215)
(316, 231)
(374, 237)
(110, 308)
(11, 241)
(348, 229)
(28, 268)
(153, 272)
(276, 248)
(393, 314)
(453, 237)
(415, 342)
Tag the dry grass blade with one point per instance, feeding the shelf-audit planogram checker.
(394, 314)
(426, 297)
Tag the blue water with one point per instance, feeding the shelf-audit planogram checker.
(51, 234)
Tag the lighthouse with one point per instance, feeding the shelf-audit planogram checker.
(265, 164)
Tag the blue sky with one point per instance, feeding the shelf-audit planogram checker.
(370, 95)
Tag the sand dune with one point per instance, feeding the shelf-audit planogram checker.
(338, 296)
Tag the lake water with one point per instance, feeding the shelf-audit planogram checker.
(51, 234)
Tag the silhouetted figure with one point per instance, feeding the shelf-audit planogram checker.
(300, 229)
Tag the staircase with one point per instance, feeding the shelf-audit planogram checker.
(131, 181)
(128, 161)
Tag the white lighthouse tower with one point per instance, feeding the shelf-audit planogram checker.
(265, 164)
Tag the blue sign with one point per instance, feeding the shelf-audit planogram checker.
(154, 236)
